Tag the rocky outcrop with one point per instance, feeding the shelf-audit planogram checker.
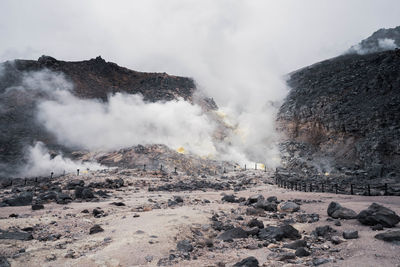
(89, 79)
(344, 114)
(381, 40)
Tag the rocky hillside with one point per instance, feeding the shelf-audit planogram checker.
(90, 79)
(381, 40)
(344, 114)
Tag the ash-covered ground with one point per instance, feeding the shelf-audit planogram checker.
(132, 217)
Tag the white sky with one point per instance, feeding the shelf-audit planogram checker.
(238, 45)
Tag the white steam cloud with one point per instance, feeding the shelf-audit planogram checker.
(40, 163)
(126, 120)
(383, 45)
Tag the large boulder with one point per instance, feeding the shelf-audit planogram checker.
(233, 234)
(335, 210)
(377, 214)
(390, 236)
(288, 207)
(278, 233)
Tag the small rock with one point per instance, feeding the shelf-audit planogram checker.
(256, 223)
(296, 244)
(234, 233)
(302, 252)
(149, 258)
(288, 207)
(16, 235)
(338, 223)
(321, 261)
(96, 229)
(377, 227)
(336, 240)
(184, 246)
(286, 256)
(247, 262)
(4, 262)
(51, 257)
(272, 199)
(350, 234)
(119, 204)
(391, 236)
(37, 207)
(230, 198)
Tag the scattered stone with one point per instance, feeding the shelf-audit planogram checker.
(377, 227)
(272, 199)
(4, 262)
(256, 223)
(230, 198)
(247, 262)
(338, 223)
(37, 207)
(96, 229)
(302, 252)
(296, 244)
(350, 234)
(119, 204)
(51, 257)
(336, 240)
(390, 236)
(234, 233)
(324, 231)
(377, 214)
(288, 207)
(178, 199)
(75, 183)
(286, 256)
(23, 236)
(13, 215)
(184, 246)
(254, 199)
(267, 206)
(85, 211)
(22, 199)
(321, 261)
(149, 258)
(278, 233)
(335, 210)
(97, 213)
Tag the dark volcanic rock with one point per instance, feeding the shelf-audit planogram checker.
(230, 198)
(247, 262)
(335, 210)
(345, 110)
(233, 234)
(350, 234)
(184, 246)
(95, 229)
(16, 235)
(302, 252)
(278, 233)
(84, 193)
(324, 231)
(75, 183)
(296, 244)
(390, 236)
(255, 223)
(4, 262)
(377, 214)
(37, 207)
(22, 199)
(288, 207)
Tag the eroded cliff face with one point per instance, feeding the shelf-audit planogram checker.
(344, 113)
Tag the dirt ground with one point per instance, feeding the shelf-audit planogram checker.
(139, 234)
